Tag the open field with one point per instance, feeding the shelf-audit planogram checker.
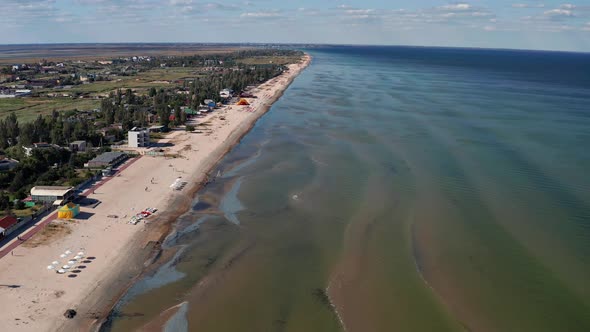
(10, 54)
(143, 80)
(28, 109)
(263, 60)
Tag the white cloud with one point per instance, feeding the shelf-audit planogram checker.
(528, 5)
(457, 6)
(558, 13)
(265, 14)
(567, 6)
(359, 11)
(181, 2)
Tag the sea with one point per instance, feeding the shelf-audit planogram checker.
(393, 189)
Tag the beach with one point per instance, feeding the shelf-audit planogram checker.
(113, 251)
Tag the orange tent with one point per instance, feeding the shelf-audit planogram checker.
(243, 102)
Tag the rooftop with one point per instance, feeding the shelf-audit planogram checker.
(50, 190)
(52, 187)
(108, 157)
(7, 222)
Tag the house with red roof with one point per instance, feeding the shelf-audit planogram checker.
(7, 225)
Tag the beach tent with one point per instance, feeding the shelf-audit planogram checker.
(68, 211)
(243, 102)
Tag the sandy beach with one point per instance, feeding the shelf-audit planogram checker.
(113, 251)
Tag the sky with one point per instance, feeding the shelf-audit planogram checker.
(522, 24)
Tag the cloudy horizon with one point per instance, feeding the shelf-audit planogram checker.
(546, 25)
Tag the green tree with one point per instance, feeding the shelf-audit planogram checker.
(183, 118)
(4, 202)
(20, 205)
(177, 116)
(18, 182)
(12, 129)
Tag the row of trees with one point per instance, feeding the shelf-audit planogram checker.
(56, 128)
(43, 167)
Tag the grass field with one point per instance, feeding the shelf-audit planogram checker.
(143, 80)
(277, 60)
(10, 54)
(27, 109)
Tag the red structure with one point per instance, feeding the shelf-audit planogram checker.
(6, 224)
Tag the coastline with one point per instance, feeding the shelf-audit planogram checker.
(234, 139)
(125, 252)
(231, 142)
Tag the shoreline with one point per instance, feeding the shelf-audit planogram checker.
(154, 260)
(240, 134)
(125, 252)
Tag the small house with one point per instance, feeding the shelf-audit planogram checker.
(78, 146)
(52, 194)
(7, 225)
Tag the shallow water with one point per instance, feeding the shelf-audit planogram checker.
(415, 189)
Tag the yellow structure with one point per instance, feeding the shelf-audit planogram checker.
(68, 211)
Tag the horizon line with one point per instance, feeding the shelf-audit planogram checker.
(299, 44)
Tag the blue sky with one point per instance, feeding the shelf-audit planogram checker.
(525, 24)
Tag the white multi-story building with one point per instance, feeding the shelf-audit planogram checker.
(139, 138)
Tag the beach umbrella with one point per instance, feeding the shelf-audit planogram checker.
(72, 262)
(54, 263)
(61, 271)
(65, 267)
(78, 257)
(62, 255)
(50, 267)
(68, 252)
(81, 253)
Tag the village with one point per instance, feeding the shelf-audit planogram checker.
(46, 163)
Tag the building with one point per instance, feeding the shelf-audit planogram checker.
(7, 225)
(78, 146)
(7, 164)
(139, 138)
(52, 194)
(226, 93)
(157, 129)
(22, 92)
(42, 145)
(107, 159)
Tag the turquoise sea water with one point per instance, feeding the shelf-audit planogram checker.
(391, 188)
